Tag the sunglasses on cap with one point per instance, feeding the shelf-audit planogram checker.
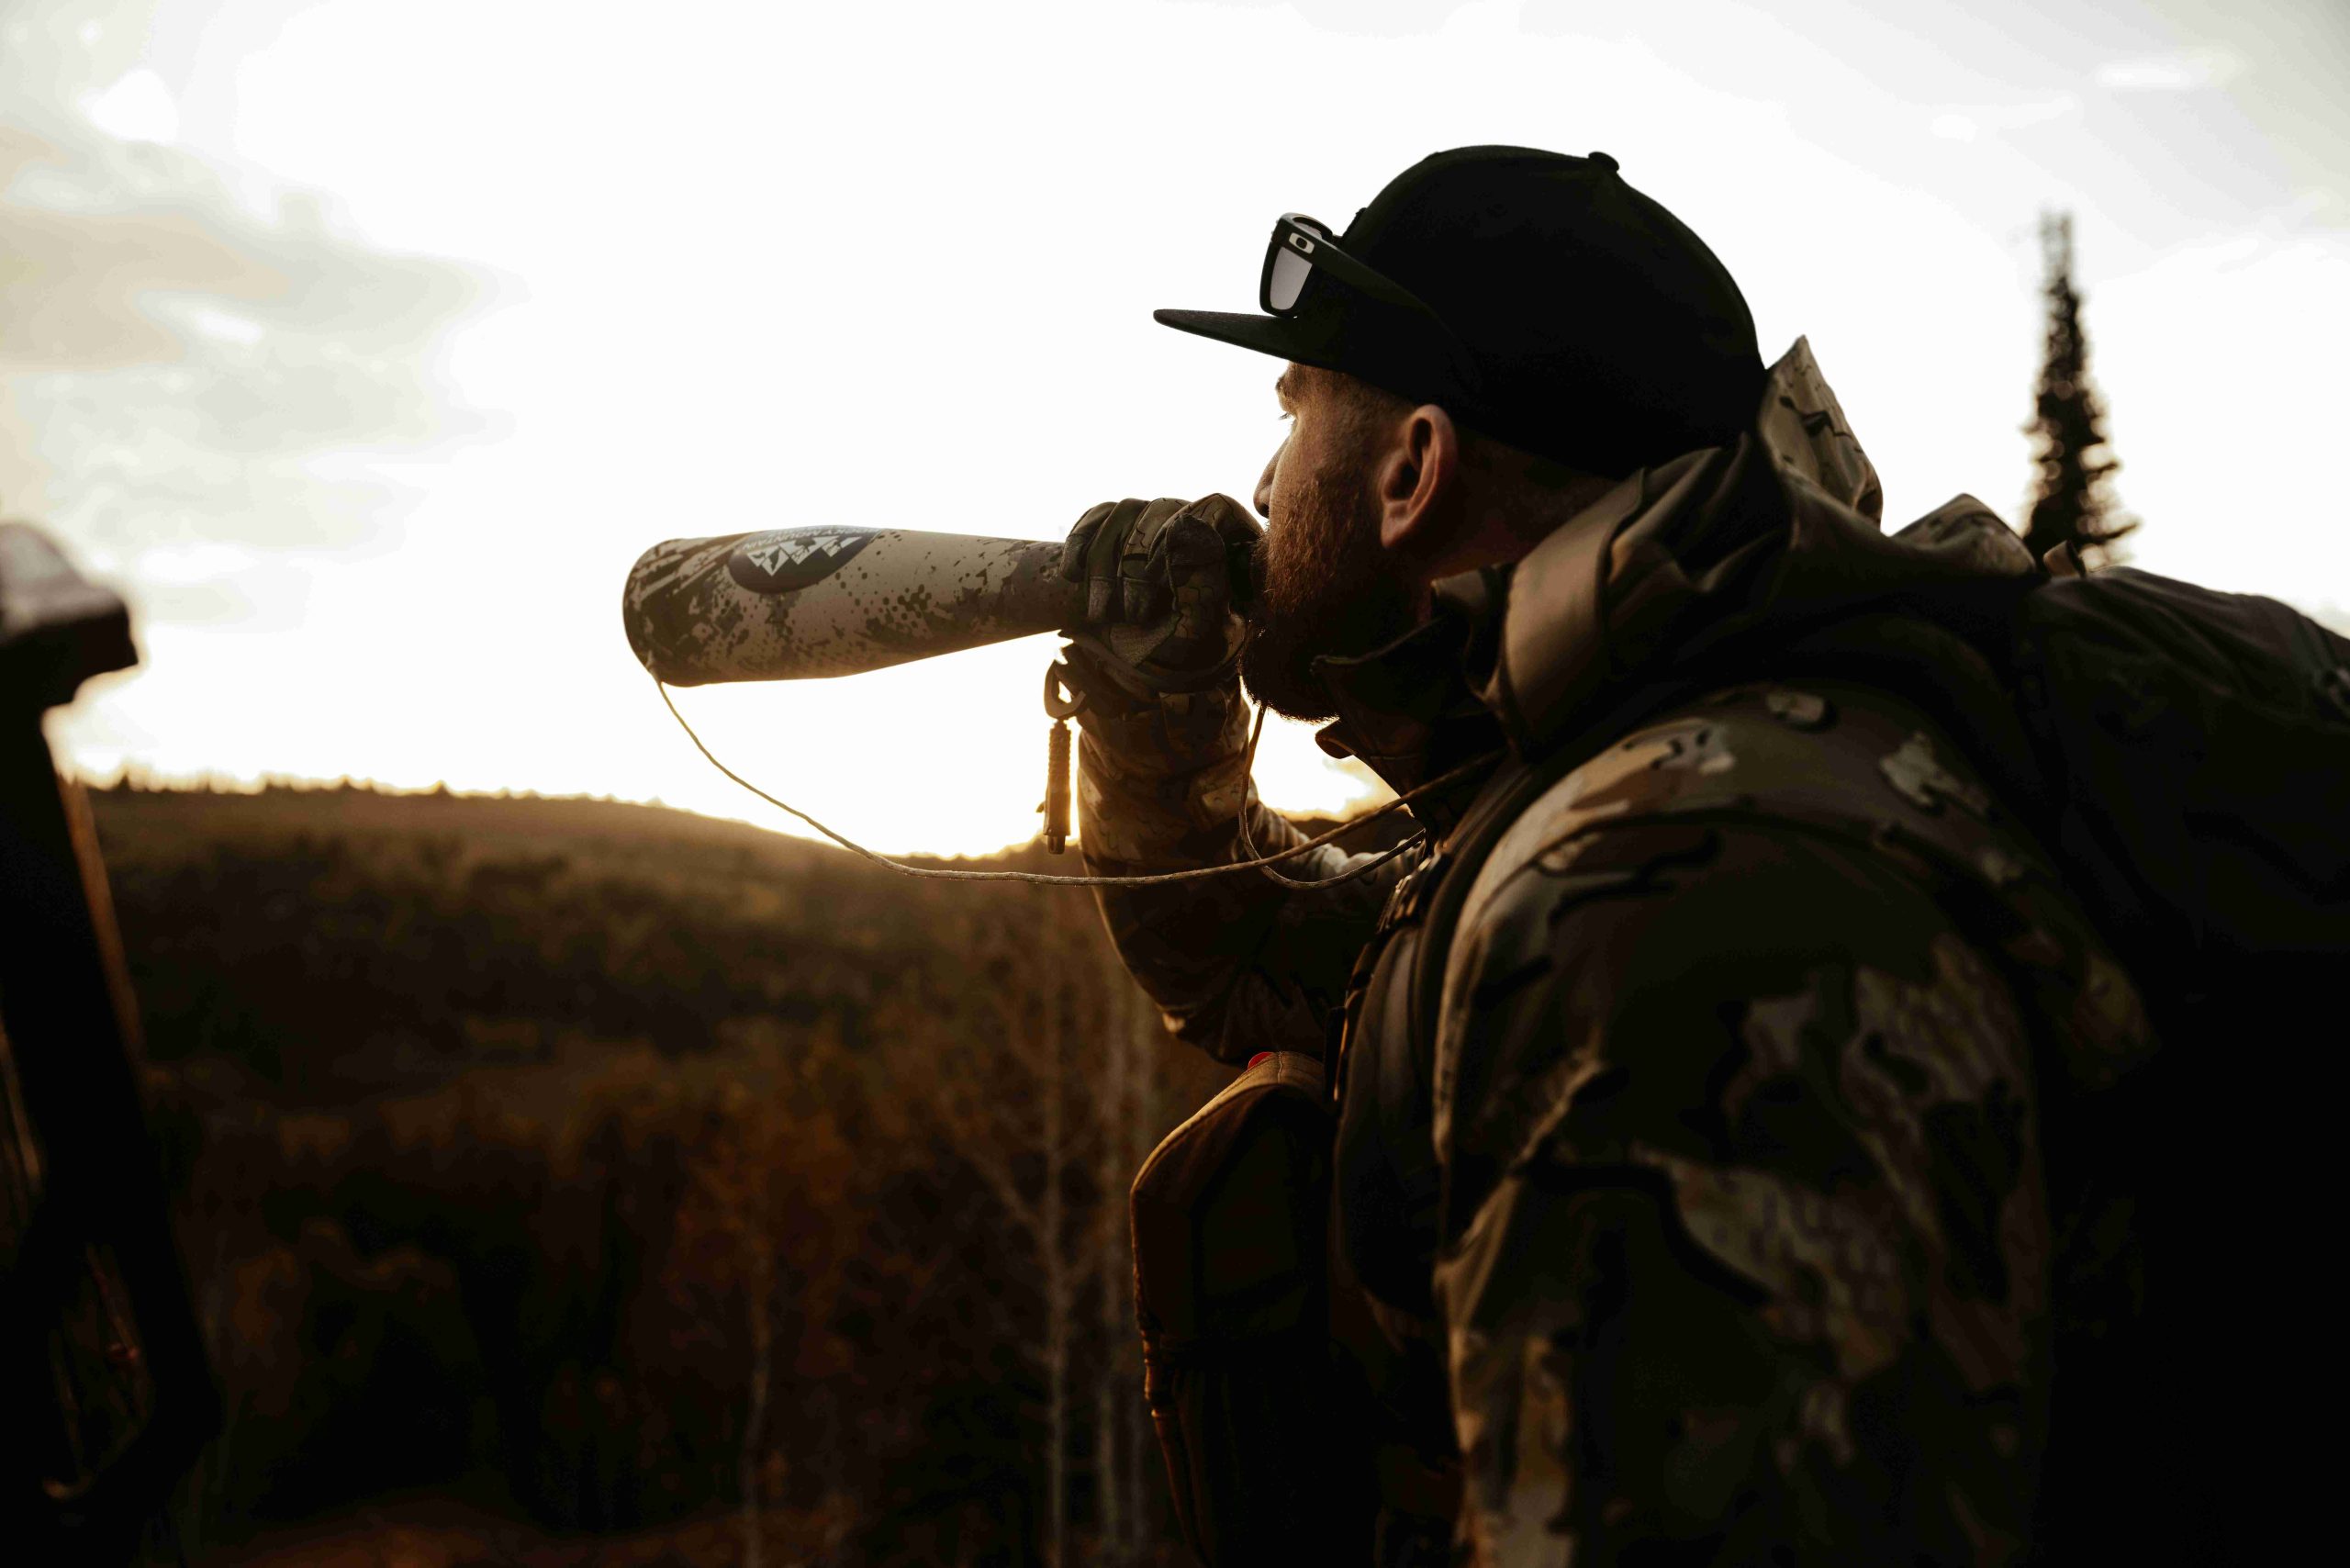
(1301, 245)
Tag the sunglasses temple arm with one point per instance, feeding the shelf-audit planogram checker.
(1326, 254)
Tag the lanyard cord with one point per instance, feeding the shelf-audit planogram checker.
(1256, 862)
(1265, 863)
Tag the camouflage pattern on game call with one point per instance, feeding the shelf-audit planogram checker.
(804, 603)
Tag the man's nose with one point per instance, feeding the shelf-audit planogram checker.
(1264, 496)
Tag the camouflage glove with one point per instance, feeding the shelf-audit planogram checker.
(1158, 655)
(1165, 583)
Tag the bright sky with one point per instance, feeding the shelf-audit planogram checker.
(366, 343)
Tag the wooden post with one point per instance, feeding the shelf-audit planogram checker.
(102, 1365)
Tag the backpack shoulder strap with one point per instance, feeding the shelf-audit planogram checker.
(1516, 786)
(1451, 873)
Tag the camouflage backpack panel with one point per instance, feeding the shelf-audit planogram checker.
(2199, 746)
(1747, 1242)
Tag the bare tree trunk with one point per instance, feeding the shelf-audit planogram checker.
(1004, 1137)
(836, 1515)
(1052, 1252)
(1115, 1269)
(754, 1426)
(1145, 1124)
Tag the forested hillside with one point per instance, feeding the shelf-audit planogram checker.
(627, 1176)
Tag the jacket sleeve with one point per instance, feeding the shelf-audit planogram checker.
(1746, 1239)
(1238, 964)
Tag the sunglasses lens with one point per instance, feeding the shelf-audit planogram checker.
(1289, 266)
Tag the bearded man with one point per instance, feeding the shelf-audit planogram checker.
(1697, 1188)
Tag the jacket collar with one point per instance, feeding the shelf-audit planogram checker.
(1678, 568)
(1407, 714)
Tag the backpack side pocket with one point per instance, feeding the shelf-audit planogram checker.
(1230, 1216)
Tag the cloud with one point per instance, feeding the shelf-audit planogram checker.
(2180, 71)
(138, 108)
(170, 352)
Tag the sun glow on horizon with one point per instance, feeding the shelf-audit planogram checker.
(369, 427)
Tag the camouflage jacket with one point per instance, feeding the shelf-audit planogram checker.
(1712, 1221)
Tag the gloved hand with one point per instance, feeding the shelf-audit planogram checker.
(1165, 584)
(1163, 756)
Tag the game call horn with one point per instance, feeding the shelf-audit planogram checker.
(799, 603)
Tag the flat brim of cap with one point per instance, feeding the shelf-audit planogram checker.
(1301, 340)
(1267, 334)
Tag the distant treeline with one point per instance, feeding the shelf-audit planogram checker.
(608, 1167)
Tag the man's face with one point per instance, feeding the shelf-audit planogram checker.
(1327, 584)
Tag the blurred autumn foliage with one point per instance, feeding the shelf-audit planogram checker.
(640, 1187)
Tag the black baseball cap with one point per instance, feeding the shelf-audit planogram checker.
(1580, 319)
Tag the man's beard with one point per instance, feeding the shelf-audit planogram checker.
(1325, 586)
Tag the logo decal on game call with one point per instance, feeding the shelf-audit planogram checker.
(793, 557)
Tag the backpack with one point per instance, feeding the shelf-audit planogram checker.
(2196, 750)
(2184, 754)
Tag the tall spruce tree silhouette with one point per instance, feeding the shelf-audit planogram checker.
(2071, 502)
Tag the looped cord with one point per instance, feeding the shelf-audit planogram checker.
(1265, 863)
(1042, 879)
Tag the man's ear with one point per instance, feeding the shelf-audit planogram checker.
(1420, 486)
